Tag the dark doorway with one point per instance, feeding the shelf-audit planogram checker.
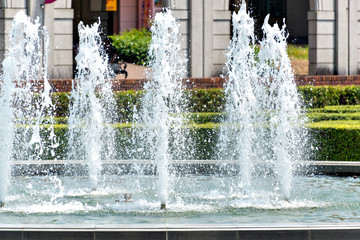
(260, 8)
(89, 11)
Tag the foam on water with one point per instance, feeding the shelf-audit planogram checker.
(199, 204)
(49, 208)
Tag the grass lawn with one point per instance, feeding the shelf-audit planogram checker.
(299, 56)
(296, 51)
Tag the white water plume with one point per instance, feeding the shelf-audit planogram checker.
(237, 134)
(91, 138)
(161, 104)
(263, 129)
(23, 111)
(283, 104)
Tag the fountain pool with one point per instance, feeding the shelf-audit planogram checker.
(270, 118)
(198, 200)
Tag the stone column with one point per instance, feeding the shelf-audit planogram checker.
(180, 9)
(210, 36)
(321, 20)
(59, 22)
(333, 34)
(353, 37)
(205, 29)
(58, 18)
(220, 37)
(341, 39)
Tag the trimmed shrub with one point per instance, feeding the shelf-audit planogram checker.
(208, 101)
(323, 116)
(336, 109)
(333, 141)
(205, 117)
(61, 102)
(205, 100)
(336, 140)
(126, 102)
(133, 45)
(318, 97)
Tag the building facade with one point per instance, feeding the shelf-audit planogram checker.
(328, 26)
(334, 37)
(204, 26)
(57, 17)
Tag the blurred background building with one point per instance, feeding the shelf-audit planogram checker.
(328, 26)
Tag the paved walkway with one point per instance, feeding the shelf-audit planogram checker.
(134, 72)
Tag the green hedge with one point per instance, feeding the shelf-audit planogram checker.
(205, 100)
(336, 109)
(195, 100)
(317, 97)
(133, 46)
(317, 117)
(336, 140)
(212, 100)
(332, 141)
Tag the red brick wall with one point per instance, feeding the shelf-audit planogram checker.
(328, 80)
(65, 85)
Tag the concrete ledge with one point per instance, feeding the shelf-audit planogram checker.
(174, 231)
(335, 168)
(77, 167)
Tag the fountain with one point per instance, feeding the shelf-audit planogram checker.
(93, 104)
(237, 143)
(161, 104)
(260, 137)
(22, 112)
(264, 118)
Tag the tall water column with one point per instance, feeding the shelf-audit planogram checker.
(280, 105)
(263, 132)
(237, 135)
(160, 115)
(24, 101)
(93, 110)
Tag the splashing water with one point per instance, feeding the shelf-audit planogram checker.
(263, 130)
(91, 137)
(286, 120)
(161, 106)
(22, 119)
(238, 134)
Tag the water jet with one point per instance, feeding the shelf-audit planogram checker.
(254, 182)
